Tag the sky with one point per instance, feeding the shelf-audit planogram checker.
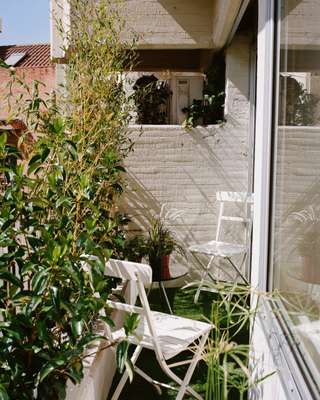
(24, 21)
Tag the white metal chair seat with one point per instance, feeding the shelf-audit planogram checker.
(174, 333)
(220, 249)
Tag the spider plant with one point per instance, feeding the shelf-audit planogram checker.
(161, 243)
(227, 353)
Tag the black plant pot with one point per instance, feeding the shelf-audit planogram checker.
(156, 265)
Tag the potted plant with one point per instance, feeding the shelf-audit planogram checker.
(309, 243)
(135, 248)
(161, 243)
(151, 97)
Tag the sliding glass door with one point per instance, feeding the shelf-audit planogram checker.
(295, 222)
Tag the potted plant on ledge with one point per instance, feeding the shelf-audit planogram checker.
(161, 243)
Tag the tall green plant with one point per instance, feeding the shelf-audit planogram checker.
(227, 353)
(58, 210)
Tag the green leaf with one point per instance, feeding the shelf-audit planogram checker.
(9, 277)
(3, 64)
(72, 148)
(3, 139)
(42, 330)
(120, 168)
(34, 241)
(75, 374)
(50, 367)
(34, 159)
(129, 368)
(77, 327)
(57, 126)
(39, 280)
(56, 253)
(122, 355)
(131, 323)
(3, 393)
(34, 167)
(55, 296)
(108, 320)
(35, 301)
(45, 153)
(63, 201)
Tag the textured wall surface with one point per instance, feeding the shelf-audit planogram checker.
(300, 24)
(297, 167)
(184, 169)
(171, 23)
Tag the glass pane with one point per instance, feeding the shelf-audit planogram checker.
(296, 212)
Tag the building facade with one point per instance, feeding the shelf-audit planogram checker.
(32, 63)
(269, 144)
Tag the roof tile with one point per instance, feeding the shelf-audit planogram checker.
(37, 55)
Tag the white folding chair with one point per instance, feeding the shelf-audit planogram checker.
(167, 335)
(227, 250)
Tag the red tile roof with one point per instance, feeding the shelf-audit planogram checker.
(37, 55)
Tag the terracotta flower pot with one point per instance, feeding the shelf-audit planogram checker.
(165, 273)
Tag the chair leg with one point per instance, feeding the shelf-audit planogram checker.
(238, 271)
(125, 375)
(203, 278)
(163, 289)
(195, 360)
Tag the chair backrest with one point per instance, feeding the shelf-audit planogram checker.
(245, 201)
(129, 271)
(141, 274)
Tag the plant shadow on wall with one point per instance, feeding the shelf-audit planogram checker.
(58, 223)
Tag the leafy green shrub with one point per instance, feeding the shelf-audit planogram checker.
(58, 210)
(209, 110)
(135, 248)
(151, 98)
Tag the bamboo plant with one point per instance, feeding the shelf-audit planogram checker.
(58, 209)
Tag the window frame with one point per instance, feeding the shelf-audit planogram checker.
(287, 356)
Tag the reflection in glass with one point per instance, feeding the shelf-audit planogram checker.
(296, 210)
